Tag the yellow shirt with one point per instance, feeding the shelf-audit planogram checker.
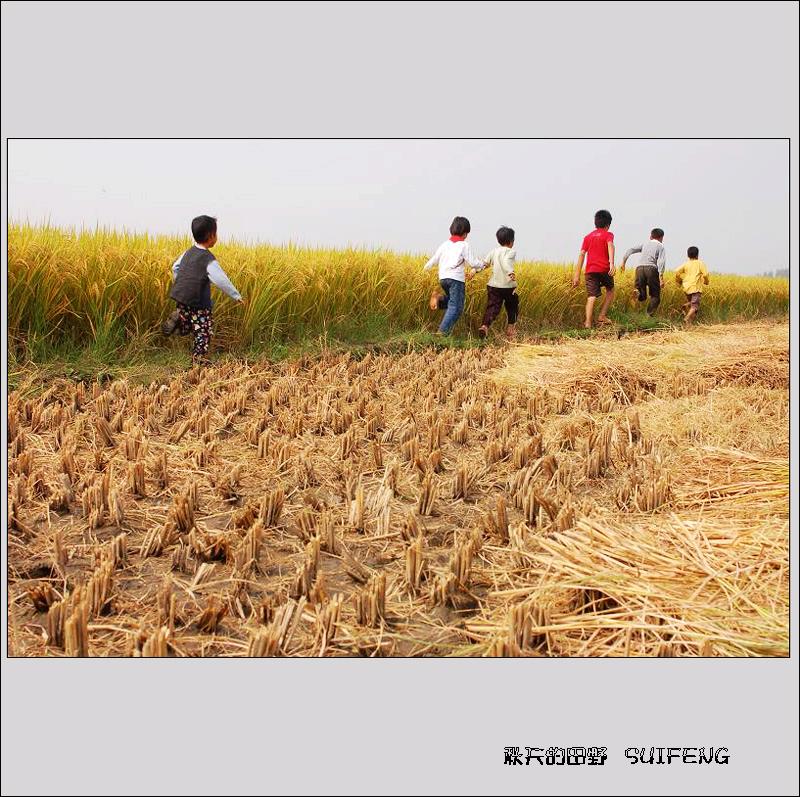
(692, 275)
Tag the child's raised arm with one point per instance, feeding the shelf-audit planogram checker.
(576, 277)
(434, 260)
(632, 251)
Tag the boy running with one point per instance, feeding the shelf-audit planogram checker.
(691, 276)
(598, 251)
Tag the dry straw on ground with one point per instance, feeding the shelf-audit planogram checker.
(601, 497)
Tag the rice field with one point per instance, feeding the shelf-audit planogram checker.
(109, 289)
(595, 497)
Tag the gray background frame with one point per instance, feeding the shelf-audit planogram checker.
(385, 70)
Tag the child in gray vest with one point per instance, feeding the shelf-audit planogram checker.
(193, 272)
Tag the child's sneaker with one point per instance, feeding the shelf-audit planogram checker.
(171, 324)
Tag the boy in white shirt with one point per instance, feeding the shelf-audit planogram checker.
(451, 257)
(502, 285)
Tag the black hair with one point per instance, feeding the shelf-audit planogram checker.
(693, 252)
(656, 232)
(602, 219)
(460, 226)
(505, 236)
(203, 227)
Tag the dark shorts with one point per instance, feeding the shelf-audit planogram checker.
(597, 280)
(694, 299)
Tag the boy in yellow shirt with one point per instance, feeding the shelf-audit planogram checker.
(691, 276)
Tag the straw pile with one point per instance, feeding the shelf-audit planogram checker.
(610, 498)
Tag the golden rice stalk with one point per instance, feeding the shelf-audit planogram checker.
(435, 461)
(498, 521)
(427, 496)
(162, 471)
(133, 445)
(353, 567)
(209, 619)
(180, 558)
(372, 428)
(435, 436)
(443, 589)
(271, 507)
(525, 623)
(282, 456)
(115, 552)
(465, 477)
(105, 431)
(410, 529)
(415, 565)
(179, 430)
(461, 433)
(227, 483)
(99, 589)
(17, 445)
(182, 513)
(410, 449)
(60, 497)
(264, 444)
(157, 644)
(383, 523)
(495, 451)
(327, 534)
(76, 631)
(38, 485)
(158, 538)
(327, 621)
(264, 642)
(461, 561)
(166, 605)
(347, 443)
(102, 406)
(136, 479)
(391, 476)
(377, 455)
(22, 464)
(357, 515)
(307, 523)
(56, 617)
(60, 552)
(370, 601)
(265, 610)
(42, 596)
(67, 463)
(116, 508)
(209, 546)
(516, 538)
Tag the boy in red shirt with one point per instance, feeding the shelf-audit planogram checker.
(598, 250)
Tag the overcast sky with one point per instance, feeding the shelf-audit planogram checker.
(730, 198)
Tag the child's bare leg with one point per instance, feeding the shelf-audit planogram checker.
(511, 331)
(609, 297)
(690, 315)
(589, 312)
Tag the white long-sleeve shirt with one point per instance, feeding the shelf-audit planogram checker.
(451, 257)
(215, 273)
(502, 260)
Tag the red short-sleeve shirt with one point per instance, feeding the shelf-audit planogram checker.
(595, 244)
